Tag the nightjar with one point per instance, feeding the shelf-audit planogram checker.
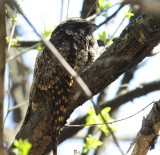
(51, 83)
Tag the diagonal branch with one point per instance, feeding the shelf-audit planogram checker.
(147, 136)
(126, 96)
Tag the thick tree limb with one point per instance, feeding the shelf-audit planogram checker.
(133, 45)
(147, 136)
(89, 8)
(126, 96)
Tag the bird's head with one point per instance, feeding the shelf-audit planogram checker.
(76, 25)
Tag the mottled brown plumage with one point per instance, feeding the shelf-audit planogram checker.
(51, 83)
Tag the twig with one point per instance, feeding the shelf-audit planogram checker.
(18, 106)
(99, 12)
(82, 125)
(11, 37)
(11, 109)
(111, 132)
(9, 94)
(68, 8)
(111, 16)
(111, 38)
(62, 2)
(12, 32)
(27, 50)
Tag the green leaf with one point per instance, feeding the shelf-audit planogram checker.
(7, 39)
(107, 5)
(22, 147)
(102, 36)
(128, 14)
(6, 9)
(39, 47)
(85, 150)
(47, 32)
(101, 3)
(54, 26)
(13, 42)
(104, 15)
(14, 16)
(110, 43)
(91, 119)
(94, 119)
(91, 143)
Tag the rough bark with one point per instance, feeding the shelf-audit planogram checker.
(147, 136)
(89, 8)
(133, 45)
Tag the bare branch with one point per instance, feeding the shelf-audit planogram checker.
(109, 18)
(62, 3)
(147, 136)
(126, 96)
(20, 54)
(28, 43)
(9, 95)
(18, 106)
(83, 125)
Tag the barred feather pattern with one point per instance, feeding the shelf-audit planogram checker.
(51, 83)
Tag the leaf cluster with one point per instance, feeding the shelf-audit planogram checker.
(97, 119)
(103, 4)
(128, 13)
(13, 41)
(22, 147)
(91, 143)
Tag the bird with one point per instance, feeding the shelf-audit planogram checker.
(52, 84)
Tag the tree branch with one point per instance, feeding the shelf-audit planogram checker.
(147, 136)
(126, 96)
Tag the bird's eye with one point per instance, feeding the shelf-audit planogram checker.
(82, 31)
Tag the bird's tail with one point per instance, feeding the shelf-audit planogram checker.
(55, 140)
